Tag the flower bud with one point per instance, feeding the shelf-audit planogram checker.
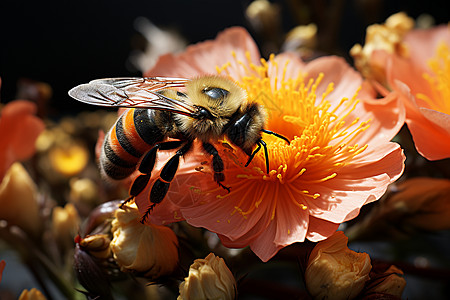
(208, 278)
(65, 221)
(18, 203)
(148, 249)
(32, 294)
(334, 271)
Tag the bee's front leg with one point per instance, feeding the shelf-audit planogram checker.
(217, 165)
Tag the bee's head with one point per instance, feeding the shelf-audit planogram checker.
(216, 99)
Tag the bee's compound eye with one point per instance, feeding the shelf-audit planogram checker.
(215, 93)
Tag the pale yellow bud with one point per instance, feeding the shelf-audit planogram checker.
(65, 223)
(148, 249)
(208, 278)
(18, 203)
(336, 272)
(98, 245)
(32, 294)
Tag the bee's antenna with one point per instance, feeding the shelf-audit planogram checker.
(276, 134)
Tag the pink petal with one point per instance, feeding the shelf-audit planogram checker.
(204, 57)
(364, 181)
(345, 79)
(320, 229)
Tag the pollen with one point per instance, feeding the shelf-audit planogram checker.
(439, 81)
(321, 134)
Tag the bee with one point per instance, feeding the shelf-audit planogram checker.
(207, 108)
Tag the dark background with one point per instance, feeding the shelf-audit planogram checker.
(64, 43)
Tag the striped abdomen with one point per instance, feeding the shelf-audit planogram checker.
(134, 133)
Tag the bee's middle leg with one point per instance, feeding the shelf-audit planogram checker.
(217, 165)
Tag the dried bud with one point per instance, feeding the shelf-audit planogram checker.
(148, 249)
(97, 245)
(90, 274)
(99, 220)
(388, 37)
(414, 205)
(18, 202)
(208, 278)
(32, 294)
(65, 222)
(334, 271)
(390, 282)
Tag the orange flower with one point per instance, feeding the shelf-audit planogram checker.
(339, 157)
(421, 77)
(19, 129)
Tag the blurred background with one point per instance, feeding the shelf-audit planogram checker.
(65, 43)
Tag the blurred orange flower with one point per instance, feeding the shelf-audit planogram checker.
(339, 158)
(422, 79)
(19, 129)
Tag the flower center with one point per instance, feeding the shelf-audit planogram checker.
(321, 134)
(439, 81)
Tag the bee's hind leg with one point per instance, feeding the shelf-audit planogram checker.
(146, 166)
(162, 184)
(217, 165)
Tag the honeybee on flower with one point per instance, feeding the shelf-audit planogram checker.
(339, 157)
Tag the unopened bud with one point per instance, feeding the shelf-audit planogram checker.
(334, 271)
(208, 278)
(151, 250)
(18, 202)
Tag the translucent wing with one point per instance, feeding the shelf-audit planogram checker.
(133, 92)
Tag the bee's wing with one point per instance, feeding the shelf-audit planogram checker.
(133, 92)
